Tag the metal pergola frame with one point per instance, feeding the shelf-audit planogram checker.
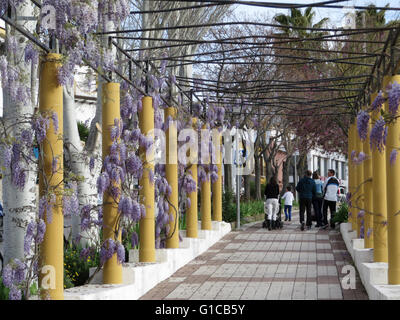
(386, 61)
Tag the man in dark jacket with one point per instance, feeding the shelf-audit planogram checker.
(307, 189)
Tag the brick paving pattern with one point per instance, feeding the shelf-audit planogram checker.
(257, 264)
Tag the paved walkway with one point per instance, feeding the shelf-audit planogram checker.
(257, 264)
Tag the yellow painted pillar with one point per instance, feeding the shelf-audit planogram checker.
(353, 169)
(205, 205)
(171, 170)
(217, 185)
(350, 166)
(359, 185)
(147, 251)
(51, 277)
(367, 173)
(112, 270)
(379, 199)
(393, 199)
(191, 213)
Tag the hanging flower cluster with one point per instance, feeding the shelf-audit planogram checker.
(378, 135)
(109, 248)
(34, 234)
(378, 102)
(393, 98)
(164, 214)
(362, 124)
(76, 22)
(13, 76)
(393, 156)
(358, 159)
(14, 275)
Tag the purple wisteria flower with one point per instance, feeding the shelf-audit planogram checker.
(378, 135)
(393, 156)
(7, 155)
(214, 177)
(103, 182)
(54, 165)
(8, 276)
(394, 97)
(26, 137)
(220, 114)
(120, 250)
(85, 15)
(12, 44)
(29, 236)
(142, 211)
(362, 124)
(85, 253)
(134, 239)
(54, 117)
(378, 102)
(172, 79)
(14, 275)
(40, 125)
(71, 201)
(15, 293)
(361, 157)
(31, 53)
(3, 71)
(202, 175)
(362, 229)
(18, 174)
(107, 250)
(91, 164)
(348, 198)
(134, 166)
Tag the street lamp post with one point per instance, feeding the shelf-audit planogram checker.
(237, 181)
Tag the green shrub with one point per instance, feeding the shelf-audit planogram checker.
(251, 208)
(127, 238)
(253, 190)
(4, 291)
(248, 208)
(83, 131)
(228, 207)
(341, 214)
(76, 268)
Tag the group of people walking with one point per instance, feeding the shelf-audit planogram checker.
(312, 192)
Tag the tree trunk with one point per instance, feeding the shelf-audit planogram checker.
(19, 203)
(247, 194)
(285, 174)
(257, 177)
(302, 165)
(228, 177)
(270, 171)
(79, 161)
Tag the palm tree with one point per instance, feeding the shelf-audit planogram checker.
(305, 19)
(373, 17)
(298, 19)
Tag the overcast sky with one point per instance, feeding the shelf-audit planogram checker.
(335, 15)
